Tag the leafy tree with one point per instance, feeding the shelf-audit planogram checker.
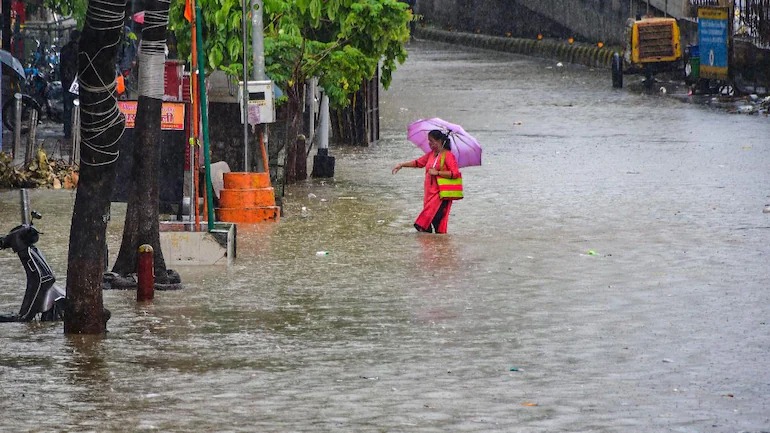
(75, 8)
(342, 42)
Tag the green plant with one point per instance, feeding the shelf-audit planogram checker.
(342, 42)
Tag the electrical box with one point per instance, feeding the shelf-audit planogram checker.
(261, 105)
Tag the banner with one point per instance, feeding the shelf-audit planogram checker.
(171, 115)
(713, 40)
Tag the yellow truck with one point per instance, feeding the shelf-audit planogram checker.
(652, 45)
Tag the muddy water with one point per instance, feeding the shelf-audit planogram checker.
(607, 272)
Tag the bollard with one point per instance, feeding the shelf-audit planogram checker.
(145, 274)
(75, 150)
(17, 126)
(29, 155)
(24, 198)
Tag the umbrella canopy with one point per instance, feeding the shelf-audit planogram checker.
(465, 148)
(7, 59)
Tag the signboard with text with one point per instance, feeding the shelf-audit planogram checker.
(171, 145)
(713, 41)
(171, 115)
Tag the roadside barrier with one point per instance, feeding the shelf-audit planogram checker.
(563, 51)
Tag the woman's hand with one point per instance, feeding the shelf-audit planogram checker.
(396, 168)
(433, 172)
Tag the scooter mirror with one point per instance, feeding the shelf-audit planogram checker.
(36, 215)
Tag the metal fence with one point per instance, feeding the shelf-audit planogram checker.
(752, 22)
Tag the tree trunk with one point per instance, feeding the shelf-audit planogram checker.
(142, 215)
(296, 155)
(102, 125)
(349, 124)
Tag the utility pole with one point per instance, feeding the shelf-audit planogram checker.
(258, 40)
(258, 60)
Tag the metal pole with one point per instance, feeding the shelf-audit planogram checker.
(205, 119)
(75, 155)
(17, 126)
(245, 97)
(258, 73)
(31, 137)
(196, 119)
(24, 196)
(1, 91)
(257, 40)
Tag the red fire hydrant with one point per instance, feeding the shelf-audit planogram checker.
(145, 274)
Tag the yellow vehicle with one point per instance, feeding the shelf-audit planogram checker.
(652, 45)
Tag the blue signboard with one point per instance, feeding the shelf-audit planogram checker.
(713, 41)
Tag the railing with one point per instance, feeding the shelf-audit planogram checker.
(752, 22)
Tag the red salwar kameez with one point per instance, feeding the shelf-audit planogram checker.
(435, 212)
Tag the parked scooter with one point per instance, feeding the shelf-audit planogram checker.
(38, 94)
(43, 299)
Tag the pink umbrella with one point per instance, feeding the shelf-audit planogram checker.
(465, 148)
(139, 17)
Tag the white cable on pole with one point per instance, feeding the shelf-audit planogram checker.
(151, 65)
(152, 54)
(109, 16)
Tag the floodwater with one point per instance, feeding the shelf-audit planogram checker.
(606, 272)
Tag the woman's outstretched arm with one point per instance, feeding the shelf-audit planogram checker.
(401, 165)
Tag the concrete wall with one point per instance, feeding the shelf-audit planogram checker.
(512, 25)
(585, 20)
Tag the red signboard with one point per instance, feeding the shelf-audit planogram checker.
(171, 115)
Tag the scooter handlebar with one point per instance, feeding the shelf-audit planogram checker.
(20, 238)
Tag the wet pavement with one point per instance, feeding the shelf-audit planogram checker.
(606, 272)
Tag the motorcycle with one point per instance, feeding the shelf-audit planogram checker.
(38, 94)
(43, 298)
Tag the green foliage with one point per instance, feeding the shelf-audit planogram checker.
(341, 41)
(76, 8)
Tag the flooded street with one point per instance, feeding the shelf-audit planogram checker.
(606, 272)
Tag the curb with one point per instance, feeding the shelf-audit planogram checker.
(587, 55)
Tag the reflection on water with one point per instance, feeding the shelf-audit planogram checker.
(504, 324)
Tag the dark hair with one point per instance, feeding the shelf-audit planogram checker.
(440, 136)
(75, 35)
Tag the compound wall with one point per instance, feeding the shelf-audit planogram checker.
(586, 20)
